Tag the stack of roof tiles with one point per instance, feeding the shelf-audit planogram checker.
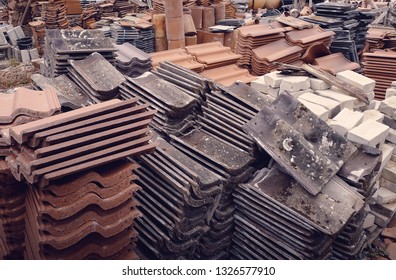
(57, 146)
(263, 57)
(12, 214)
(379, 66)
(307, 37)
(89, 215)
(213, 55)
(254, 36)
(233, 165)
(179, 57)
(159, 5)
(174, 106)
(123, 7)
(54, 14)
(17, 108)
(277, 219)
(178, 198)
(335, 62)
(131, 61)
(227, 75)
(379, 38)
(96, 76)
(64, 45)
(142, 38)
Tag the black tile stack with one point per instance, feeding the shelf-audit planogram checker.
(64, 45)
(142, 38)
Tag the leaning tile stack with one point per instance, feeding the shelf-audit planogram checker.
(263, 57)
(64, 45)
(233, 165)
(379, 66)
(178, 199)
(174, 106)
(61, 145)
(89, 215)
(253, 36)
(131, 61)
(96, 76)
(54, 14)
(69, 94)
(12, 215)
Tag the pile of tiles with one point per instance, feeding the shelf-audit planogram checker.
(64, 45)
(213, 55)
(89, 215)
(277, 219)
(173, 105)
(179, 57)
(263, 57)
(54, 14)
(226, 110)
(178, 199)
(234, 166)
(307, 37)
(253, 36)
(335, 62)
(12, 215)
(131, 61)
(379, 66)
(60, 145)
(69, 94)
(381, 38)
(142, 38)
(38, 30)
(159, 5)
(123, 7)
(96, 76)
(227, 75)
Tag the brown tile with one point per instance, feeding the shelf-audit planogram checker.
(36, 104)
(335, 63)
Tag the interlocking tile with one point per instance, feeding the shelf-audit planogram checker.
(36, 104)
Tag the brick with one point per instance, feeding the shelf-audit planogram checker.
(318, 110)
(390, 92)
(388, 107)
(318, 84)
(25, 56)
(385, 196)
(385, 183)
(331, 105)
(387, 151)
(369, 133)
(393, 84)
(374, 115)
(297, 94)
(260, 85)
(374, 104)
(19, 32)
(391, 137)
(364, 83)
(380, 220)
(273, 79)
(369, 221)
(34, 54)
(295, 83)
(389, 171)
(346, 101)
(13, 37)
(345, 121)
